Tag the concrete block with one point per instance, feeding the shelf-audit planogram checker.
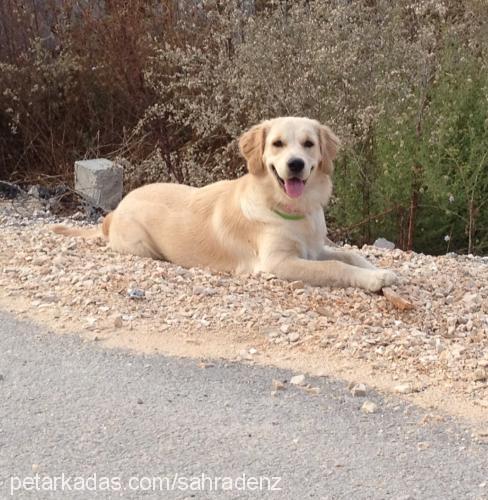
(100, 182)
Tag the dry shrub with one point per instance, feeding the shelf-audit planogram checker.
(72, 80)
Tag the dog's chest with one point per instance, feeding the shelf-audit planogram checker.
(310, 235)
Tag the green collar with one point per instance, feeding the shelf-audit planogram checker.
(286, 216)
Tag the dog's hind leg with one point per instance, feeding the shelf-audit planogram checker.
(128, 236)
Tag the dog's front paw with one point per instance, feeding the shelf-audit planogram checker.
(381, 278)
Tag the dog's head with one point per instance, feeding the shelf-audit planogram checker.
(291, 150)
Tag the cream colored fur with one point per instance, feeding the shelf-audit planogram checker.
(231, 225)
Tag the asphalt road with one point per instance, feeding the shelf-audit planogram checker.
(96, 423)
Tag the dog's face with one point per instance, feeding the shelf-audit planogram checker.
(291, 150)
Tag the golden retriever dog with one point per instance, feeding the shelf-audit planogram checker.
(270, 220)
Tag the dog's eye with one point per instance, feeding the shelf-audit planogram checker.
(308, 144)
(278, 144)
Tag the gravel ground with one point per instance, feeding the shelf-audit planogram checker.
(443, 341)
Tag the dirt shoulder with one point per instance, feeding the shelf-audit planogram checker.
(436, 355)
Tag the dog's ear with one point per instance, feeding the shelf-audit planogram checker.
(251, 146)
(329, 145)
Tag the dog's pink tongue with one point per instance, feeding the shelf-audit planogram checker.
(294, 187)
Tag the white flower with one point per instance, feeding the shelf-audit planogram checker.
(447, 238)
(451, 198)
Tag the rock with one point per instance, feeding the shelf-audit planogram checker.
(369, 407)
(313, 390)
(384, 244)
(405, 388)
(100, 182)
(140, 401)
(136, 293)
(358, 390)
(439, 346)
(91, 321)
(284, 329)
(278, 385)
(244, 355)
(252, 350)
(118, 322)
(272, 334)
(294, 337)
(205, 291)
(472, 301)
(78, 216)
(34, 191)
(297, 285)
(298, 380)
(480, 375)
(205, 364)
(397, 300)
(2, 377)
(469, 298)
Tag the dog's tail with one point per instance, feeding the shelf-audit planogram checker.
(100, 231)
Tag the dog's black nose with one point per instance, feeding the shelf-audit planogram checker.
(296, 165)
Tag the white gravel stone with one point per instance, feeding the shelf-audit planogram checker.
(298, 380)
(405, 388)
(369, 407)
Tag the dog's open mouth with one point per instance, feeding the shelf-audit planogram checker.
(293, 187)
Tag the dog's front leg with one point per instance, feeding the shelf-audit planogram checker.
(329, 273)
(351, 258)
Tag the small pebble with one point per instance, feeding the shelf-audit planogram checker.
(284, 329)
(480, 375)
(369, 407)
(405, 388)
(278, 385)
(297, 285)
(358, 390)
(294, 337)
(136, 293)
(298, 380)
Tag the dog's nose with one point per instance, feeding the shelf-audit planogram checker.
(296, 165)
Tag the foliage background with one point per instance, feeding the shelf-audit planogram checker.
(167, 86)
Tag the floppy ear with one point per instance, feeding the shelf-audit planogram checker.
(251, 145)
(329, 145)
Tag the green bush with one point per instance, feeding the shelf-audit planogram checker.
(447, 159)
